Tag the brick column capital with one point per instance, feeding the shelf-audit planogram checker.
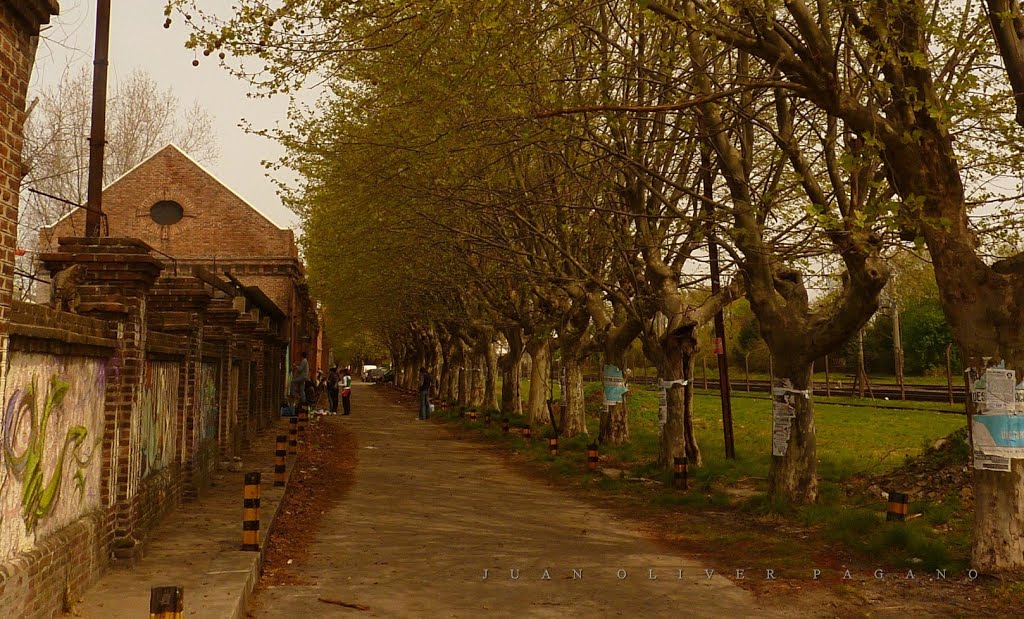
(116, 269)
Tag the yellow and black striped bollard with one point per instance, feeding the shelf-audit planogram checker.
(592, 457)
(472, 415)
(504, 425)
(251, 512)
(679, 472)
(293, 435)
(898, 507)
(303, 421)
(166, 602)
(553, 445)
(527, 433)
(280, 455)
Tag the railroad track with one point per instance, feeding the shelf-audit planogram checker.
(846, 388)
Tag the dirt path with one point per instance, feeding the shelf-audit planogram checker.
(428, 514)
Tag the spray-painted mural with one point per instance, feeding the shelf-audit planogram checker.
(159, 405)
(52, 435)
(206, 436)
(208, 391)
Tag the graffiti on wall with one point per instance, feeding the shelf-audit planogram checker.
(52, 432)
(159, 405)
(209, 407)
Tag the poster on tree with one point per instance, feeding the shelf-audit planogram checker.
(997, 427)
(614, 385)
(783, 414)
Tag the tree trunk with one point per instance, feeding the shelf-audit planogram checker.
(465, 379)
(540, 367)
(677, 436)
(491, 385)
(574, 414)
(477, 380)
(511, 403)
(615, 418)
(793, 476)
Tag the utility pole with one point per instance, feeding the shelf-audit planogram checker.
(97, 136)
(724, 388)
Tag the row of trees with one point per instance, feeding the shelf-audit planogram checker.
(513, 176)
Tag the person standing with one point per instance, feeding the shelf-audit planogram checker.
(333, 378)
(346, 391)
(425, 382)
(300, 378)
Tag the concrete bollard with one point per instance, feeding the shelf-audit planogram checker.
(592, 457)
(166, 602)
(679, 466)
(251, 512)
(280, 455)
(303, 415)
(293, 436)
(899, 505)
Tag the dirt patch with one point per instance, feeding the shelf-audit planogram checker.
(939, 474)
(323, 475)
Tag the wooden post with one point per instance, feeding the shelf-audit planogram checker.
(949, 371)
(897, 343)
(771, 372)
(861, 372)
(746, 364)
(704, 369)
(828, 379)
(166, 602)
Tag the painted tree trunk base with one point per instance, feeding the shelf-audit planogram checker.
(573, 421)
(793, 477)
(999, 520)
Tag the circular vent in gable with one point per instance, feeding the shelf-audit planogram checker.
(166, 212)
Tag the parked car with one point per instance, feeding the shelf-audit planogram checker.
(387, 377)
(373, 375)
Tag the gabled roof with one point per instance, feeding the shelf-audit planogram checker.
(201, 167)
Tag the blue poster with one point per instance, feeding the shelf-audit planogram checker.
(997, 428)
(614, 385)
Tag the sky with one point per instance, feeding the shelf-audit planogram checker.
(139, 40)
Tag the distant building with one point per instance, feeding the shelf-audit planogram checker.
(181, 209)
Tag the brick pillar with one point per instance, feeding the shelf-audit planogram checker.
(218, 326)
(118, 274)
(245, 337)
(176, 305)
(261, 407)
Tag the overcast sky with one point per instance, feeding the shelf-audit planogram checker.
(139, 40)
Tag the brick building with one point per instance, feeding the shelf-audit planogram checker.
(172, 203)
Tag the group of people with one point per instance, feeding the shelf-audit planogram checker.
(337, 385)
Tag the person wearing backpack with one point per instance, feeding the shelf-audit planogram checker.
(346, 391)
(333, 379)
